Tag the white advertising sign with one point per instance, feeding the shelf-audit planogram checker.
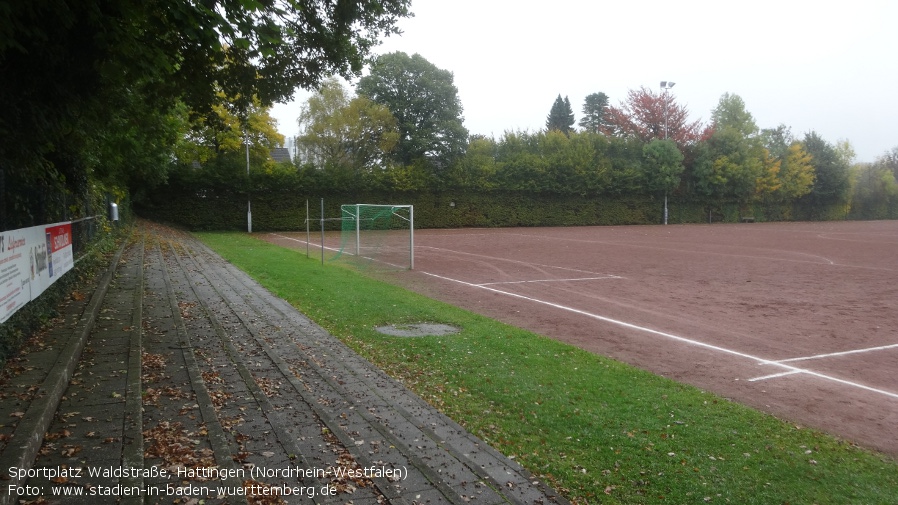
(31, 259)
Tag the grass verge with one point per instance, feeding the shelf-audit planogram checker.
(598, 430)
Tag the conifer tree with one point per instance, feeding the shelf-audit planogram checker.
(561, 116)
(594, 108)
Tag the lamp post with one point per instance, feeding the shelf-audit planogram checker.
(249, 208)
(665, 86)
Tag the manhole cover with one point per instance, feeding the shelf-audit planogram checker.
(418, 330)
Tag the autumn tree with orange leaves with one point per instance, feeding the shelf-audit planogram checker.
(647, 116)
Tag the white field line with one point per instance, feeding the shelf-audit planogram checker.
(788, 368)
(711, 253)
(552, 280)
(842, 353)
(315, 244)
(526, 263)
(347, 253)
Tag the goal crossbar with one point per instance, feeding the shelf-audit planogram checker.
(377, 217)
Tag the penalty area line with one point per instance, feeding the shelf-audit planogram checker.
(789, 369)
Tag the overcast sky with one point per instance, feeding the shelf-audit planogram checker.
(829, 67)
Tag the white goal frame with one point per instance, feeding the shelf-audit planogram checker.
(358, 228)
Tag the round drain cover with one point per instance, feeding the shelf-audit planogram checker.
(418, 330)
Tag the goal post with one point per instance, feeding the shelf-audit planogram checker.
(381, 235)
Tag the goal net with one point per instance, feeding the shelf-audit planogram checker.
(379, 235)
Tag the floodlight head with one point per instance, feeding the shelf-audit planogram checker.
(670, 85)
(663, 84)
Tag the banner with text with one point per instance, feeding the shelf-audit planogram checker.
(31, 259)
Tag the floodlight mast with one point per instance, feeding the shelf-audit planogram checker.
(665, 86)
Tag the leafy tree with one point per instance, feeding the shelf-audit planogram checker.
(845, 152)
(831, 182)
(424, 101)
(663, 166)
(730, 113)
(729, 167)
(520, 165)
(768, 182)
(733, 160)
(132, 151)
(790, 172)
(777, 140)
(218, 143)
(595, 108)
(647, 116)
(876, 188)
(477, 169)
(568, 160)
(796, 174)
(561, 116)
(351, 135)
(63, 64)
(225, 133)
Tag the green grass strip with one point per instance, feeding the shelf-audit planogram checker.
(598, 430)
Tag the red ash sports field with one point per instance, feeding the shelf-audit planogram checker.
(796, 319)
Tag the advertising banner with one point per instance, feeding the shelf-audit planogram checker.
(31, 259)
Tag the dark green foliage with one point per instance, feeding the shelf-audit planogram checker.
(92, 90)
(285, 210)
(831, 185)
(875, 192)
(561, 116)
(425, 102)
(523, 179)
(595, 106)
(663, 164)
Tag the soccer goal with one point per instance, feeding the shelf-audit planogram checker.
(382, 235)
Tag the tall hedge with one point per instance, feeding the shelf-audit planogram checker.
(272, 210)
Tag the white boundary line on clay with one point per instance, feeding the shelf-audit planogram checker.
(789, 369)
(315, 244)
(551, 280)
(525, 263)
(842, 353)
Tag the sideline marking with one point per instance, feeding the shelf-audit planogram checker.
(789, 368)
(842, 353)
(525, 263)
(316, 244)
(620, 243)
(551, 280)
